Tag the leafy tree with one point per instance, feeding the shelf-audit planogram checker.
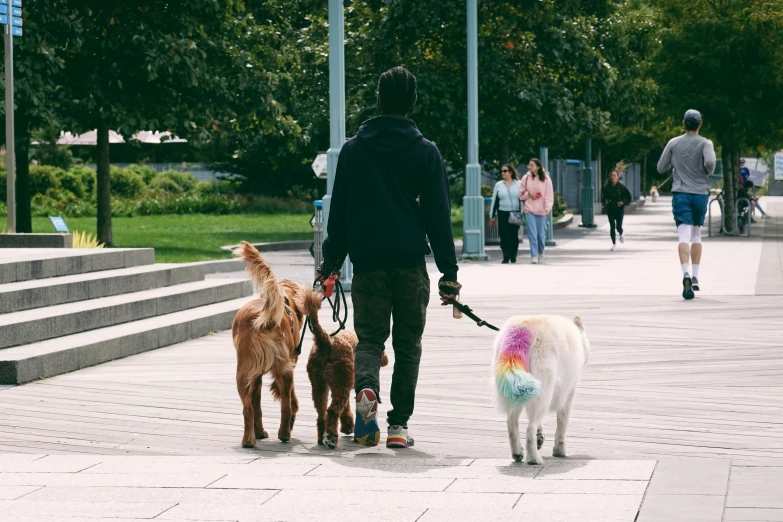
(723, 58)
(172, 65)
(39, 75)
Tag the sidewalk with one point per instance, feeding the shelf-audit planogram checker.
(675, 418)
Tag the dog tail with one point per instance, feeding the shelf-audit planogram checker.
(515, 385)
(312, 304)
(261, 273)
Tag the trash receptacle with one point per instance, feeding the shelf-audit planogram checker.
(318, 233)
(491, 234)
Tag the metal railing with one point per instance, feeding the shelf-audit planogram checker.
(736, 228)
(317, 222)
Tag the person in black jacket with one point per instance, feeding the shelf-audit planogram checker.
(390, 194)
(616, 196)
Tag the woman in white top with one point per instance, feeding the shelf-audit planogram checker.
(505, 200)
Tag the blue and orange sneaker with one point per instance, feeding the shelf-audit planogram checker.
(366, 430)
(398, 437)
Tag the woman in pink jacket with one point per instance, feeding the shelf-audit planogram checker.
(536, 191)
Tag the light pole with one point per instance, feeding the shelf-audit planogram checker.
(550, 240)
(336, 113)
(588, 209)
(10, 156)
(473, 203)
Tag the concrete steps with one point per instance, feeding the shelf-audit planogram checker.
(65, 309)
(66, 354)
(37, 293)
(23, 264)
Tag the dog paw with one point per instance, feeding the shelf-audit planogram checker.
(535, 460)
(540, 440)
(262, 434)
(248, 443)
(517, 458)
(559, 450)
(330, 441)
(284, 435)
(346, 428)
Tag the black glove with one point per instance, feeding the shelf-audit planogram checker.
(448, 288)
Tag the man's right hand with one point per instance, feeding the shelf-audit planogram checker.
(448, 290)
(492, 222)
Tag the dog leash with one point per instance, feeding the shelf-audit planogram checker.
(339, 307)
(468, 311)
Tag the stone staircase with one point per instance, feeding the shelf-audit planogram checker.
(65, 309)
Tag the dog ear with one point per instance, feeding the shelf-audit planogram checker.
(578, 322)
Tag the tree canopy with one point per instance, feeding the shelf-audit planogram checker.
(248, 79)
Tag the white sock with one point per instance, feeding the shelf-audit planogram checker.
(695, 270)
(685, 269)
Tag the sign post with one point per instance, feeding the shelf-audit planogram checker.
(13, 27)
(778, 167)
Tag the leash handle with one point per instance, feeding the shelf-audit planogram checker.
(328, 285)
(455, 312)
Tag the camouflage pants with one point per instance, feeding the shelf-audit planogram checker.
(399, 296)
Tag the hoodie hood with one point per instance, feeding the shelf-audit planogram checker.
(388, 134)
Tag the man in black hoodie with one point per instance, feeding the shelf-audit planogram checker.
(390, 194)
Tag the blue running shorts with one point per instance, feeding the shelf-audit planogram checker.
(689, 209)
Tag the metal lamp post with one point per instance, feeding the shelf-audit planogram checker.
(473, 203)
(588, 209)
(336, 113)
(550, 240)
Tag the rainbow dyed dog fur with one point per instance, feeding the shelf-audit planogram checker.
(537, 365)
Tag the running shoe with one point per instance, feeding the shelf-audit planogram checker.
(534, 260)
(695, 284)
(398, 437)
(622, 238)
(366, 429)
(687, 288)
(540, 258)
(614, 248)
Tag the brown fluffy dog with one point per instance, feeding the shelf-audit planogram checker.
(330, 368)
(266, 334)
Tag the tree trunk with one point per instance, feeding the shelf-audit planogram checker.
(24, 215)
(730, 173)
(103, 191)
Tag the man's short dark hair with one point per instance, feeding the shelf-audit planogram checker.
(396, 91)
(691, 124)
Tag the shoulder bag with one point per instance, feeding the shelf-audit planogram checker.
(514, 217)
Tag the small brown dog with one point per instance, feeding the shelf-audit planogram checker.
(266, 335)
(330, 368)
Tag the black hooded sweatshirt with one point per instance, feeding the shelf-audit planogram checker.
(390, 194)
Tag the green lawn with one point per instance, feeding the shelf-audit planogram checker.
(197, 237)
(193, 237)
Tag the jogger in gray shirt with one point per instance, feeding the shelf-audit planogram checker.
(692, 159)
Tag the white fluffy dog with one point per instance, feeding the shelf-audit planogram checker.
(538, 362)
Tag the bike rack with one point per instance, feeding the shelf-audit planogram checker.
(735, 230)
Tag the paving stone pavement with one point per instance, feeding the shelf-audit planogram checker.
(676, 418)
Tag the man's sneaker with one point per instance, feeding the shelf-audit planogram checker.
(534, 260)
(614, 248)
(366, 429)
(398, 437)
(622, 238)
(687, 288)
(695, 284)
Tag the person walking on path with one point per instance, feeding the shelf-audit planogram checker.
(537, 193)
(616, 197)
(505, 200)
(390, 194)
(692, 159)
(744, 177)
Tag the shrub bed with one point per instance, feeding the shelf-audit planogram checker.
(141, 191)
